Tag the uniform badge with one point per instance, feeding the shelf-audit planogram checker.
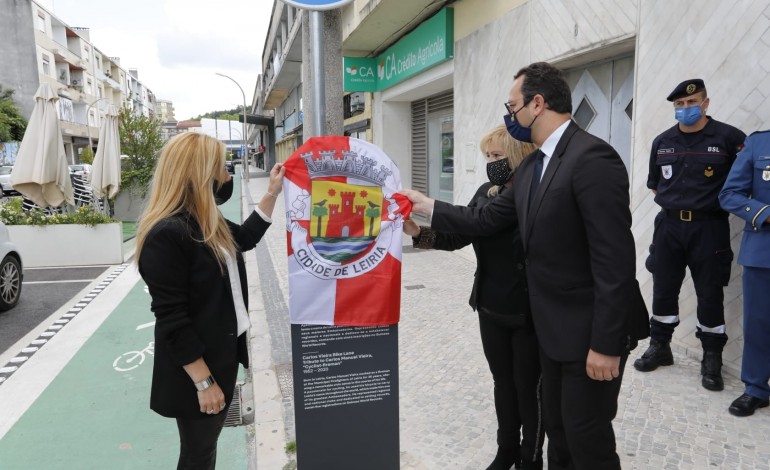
(690, 88)
(766, 175)
(667, 171)
(708, 172)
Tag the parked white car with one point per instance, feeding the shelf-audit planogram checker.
(5, 180)
(10, 271)
(82, 170)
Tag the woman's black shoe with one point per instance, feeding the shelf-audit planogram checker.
(506, 458)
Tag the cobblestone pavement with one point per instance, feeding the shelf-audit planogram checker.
(665, 420)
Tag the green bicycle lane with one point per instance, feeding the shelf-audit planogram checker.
(95, 413)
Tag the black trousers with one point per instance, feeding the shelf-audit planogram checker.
(704, 247)
(511, 352)
(578, 415)
(198, 441)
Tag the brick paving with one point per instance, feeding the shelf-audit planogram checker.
(666, 420)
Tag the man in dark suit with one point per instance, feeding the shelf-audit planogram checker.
(573, 211)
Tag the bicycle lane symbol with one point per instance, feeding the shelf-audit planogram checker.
(132, 359)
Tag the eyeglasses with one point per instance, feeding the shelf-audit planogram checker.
(510, 109)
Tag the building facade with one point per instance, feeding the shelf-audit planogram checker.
(164, 111)
(620, 59)
(45, 49)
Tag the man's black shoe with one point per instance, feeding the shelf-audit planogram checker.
(657, 354)
(745, 405)
(711, 370)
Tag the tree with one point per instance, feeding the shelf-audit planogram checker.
(87, 156)
(12, 123)
(141, 141)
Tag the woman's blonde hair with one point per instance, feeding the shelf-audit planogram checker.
(514, 149)
(187, 169)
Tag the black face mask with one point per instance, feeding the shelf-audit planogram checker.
(499, 172)
(222, 195)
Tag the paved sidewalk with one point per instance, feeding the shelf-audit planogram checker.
(666, 420)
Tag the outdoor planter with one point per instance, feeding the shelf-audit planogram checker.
(68, 244)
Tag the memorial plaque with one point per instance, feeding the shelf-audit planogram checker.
(346, 397)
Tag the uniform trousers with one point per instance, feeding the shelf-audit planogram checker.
(511, 352)
(704, 247)
(755, 369)
(578, 415)
(198, 441)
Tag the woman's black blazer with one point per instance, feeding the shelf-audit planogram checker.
(193, 305)
(500, 282)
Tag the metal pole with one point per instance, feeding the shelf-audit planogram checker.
(317, 72)
(243, 137)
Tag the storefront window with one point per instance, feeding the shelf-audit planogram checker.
(441, 156)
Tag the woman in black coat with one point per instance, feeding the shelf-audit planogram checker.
(190, 257)
(500, 297)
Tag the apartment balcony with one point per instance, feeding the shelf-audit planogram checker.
(111, 83)
(285, 73)
(73, 129)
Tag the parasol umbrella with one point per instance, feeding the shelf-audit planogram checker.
(40, 172)
(105, 178)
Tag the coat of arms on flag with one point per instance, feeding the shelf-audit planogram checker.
(344, 233)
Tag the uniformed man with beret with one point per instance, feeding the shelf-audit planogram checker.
(747, 195)
(688, 167)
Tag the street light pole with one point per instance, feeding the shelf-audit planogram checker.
(243, 137)
(88, 124)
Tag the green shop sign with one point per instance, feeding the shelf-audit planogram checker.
(427, 46)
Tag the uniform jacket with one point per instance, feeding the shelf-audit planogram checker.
(580, 251)
(499, 283)
(687, 171)
(193, 305)
(746, 193)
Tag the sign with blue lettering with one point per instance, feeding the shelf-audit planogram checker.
(317, 4)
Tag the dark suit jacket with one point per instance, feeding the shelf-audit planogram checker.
(499, 283)
(193, 305)
(580, 250)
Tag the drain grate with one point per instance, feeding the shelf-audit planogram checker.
(234, 415)
(285, 379)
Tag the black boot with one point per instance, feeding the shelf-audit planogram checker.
(505, 459)
(658, 354)
(711, 370)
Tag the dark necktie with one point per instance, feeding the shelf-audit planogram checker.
(536, 174)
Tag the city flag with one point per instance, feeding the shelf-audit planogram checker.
(344, 222)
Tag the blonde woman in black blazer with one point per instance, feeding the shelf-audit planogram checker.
(190, 257)
(500, 296)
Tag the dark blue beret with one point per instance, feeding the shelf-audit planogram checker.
(687, 88)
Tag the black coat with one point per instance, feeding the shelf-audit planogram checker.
(193, 305)
(581, 261)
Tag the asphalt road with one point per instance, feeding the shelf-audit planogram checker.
(43, 291)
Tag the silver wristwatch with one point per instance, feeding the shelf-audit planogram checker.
(205, 383)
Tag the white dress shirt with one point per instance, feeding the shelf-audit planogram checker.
(549, 146)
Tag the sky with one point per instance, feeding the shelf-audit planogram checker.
(179, 45)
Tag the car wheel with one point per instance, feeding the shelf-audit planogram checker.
(10, 283)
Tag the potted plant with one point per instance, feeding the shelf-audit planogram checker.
(140, 143)
(78, 238)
